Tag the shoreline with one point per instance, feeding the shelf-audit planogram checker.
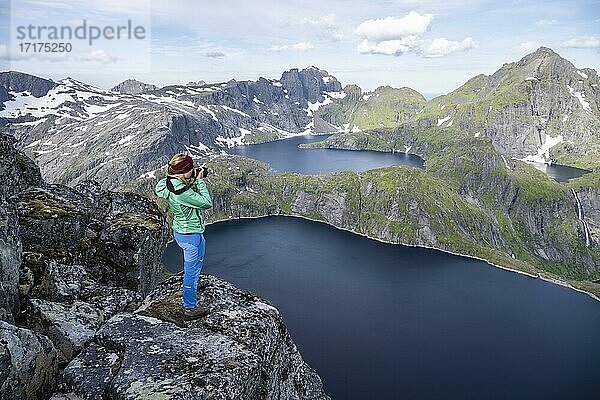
(537, 276)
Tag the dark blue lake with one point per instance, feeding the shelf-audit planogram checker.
(285, 156)
(383, 321)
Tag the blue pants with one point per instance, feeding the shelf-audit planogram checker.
(193, 246)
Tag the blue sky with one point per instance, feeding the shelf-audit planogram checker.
(432, 46)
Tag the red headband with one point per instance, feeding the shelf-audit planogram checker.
(182, 166)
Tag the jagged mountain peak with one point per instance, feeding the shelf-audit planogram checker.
(309, 84)
(196, 83)
(314, 68)
(133, 86)
(544, 51)
(543, 55)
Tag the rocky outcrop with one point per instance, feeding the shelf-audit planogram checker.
(70, 259)
(10, 259)
(68, 325)
(90, 256)
(132, 86)
(17, 172)
(118, 237)
(241, 350)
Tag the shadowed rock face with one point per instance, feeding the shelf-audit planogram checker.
(118, 236)
(20, 82)
(10, 258)
(17, 173)
(28, 363)
(240, 350)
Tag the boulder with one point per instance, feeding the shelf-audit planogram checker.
(28, 364)
(69, 326)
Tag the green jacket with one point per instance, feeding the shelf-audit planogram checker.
(187, 207)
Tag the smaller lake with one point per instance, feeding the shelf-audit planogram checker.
(285, 156)
(560, 173)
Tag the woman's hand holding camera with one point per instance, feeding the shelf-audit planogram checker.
(200, 172)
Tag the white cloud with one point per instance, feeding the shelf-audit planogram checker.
(326, 26)
(389, 47)
(583, 42)
(396, 36)
(442, 47)
(526, 47)
(300, 46)
(546, 22)
(99, 55)
(391, 28)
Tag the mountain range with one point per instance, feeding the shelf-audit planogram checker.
(540, 108)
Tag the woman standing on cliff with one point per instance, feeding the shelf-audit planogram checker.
(187, 195)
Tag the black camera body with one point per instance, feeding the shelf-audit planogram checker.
(200, 173)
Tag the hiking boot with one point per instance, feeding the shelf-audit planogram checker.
(194, 313)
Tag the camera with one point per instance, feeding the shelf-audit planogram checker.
(200, 172)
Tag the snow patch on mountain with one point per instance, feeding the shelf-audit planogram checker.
(543, 153)
(440, 121)
(234, 141)
(234, 110)
(208, 111)
(336, 95)
(312, 107)
(581, 97)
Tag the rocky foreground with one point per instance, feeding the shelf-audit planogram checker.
(87, 311)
